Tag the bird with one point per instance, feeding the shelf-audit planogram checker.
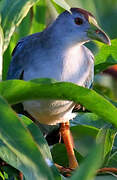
(58, 52)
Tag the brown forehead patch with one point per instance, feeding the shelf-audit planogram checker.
(85, 13)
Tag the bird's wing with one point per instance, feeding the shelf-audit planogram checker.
(89, 80)
(18, 62)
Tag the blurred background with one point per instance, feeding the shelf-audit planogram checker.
(43, 13)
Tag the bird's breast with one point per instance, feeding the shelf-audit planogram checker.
(73, 65)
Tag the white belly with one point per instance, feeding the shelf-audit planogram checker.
(49, 111)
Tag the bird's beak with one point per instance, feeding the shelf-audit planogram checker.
(95, 32)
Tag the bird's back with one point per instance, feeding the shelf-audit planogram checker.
(19, 56)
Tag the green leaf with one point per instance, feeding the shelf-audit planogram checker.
(103, 90)
(12, 13)
(87, 169)
(18, 140)
(9, 172)
(37, 136)
(62, 5)
(106, 57)
(38, 17)
(1, 48)
(11, 158)
(1, 176)
(106, 135)
(81, 130)
(6, 55)
(15, 91)
(57, 8)
(90, 119)
(103, 66)
(57, 154)
(112, 160)
(22, 31)
(106, 177)
(39, 139)
(84, 138)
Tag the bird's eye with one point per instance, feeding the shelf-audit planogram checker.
(78, 21)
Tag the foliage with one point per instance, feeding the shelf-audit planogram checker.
(22, 144)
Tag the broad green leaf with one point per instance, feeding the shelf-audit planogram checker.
(1, 48)
(38, 17)
(115, 142)
(57, 153)
(11, 158)
(52, 10)
(106, 177)
(10, 172)
(81, 130)
(6, 62)
(88, 118)
(103, 90)
(107, 56)
(1, 176)
(22, 31)
(58, 8)
(62, 4)
(84, 138)
(44, 81)
(17, 138)
(7, 56)
(106, 135)
(112, 160)
(37, 136)
(39, 139)
(15, 91)
(88, 168)
(12, 13)
(103, 66)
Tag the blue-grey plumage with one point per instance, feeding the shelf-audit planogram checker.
(58, 52)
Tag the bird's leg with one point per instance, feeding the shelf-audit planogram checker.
(20, 176)
(68, 141)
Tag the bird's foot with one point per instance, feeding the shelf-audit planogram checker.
(67, 172)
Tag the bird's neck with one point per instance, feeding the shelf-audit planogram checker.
(54, 39)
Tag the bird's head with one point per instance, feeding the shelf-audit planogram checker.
(80, 26)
